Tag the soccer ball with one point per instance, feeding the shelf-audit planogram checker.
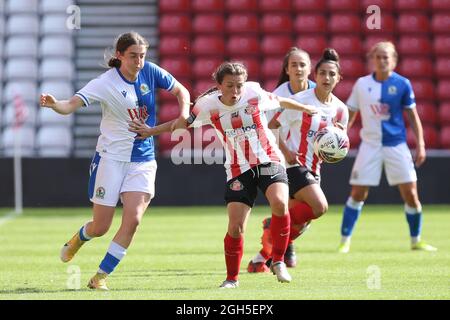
(331, 144)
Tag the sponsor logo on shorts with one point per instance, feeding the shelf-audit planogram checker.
(100, 193)
(236, 185)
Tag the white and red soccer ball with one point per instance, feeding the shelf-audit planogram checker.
(331, 144)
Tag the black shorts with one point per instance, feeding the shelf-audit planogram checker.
(300, 177)
(243, 188)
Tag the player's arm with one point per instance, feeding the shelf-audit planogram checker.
(351, 118)
(144, 131)
(417, 128)
(61, 106)
(288, 103)
(184, 100)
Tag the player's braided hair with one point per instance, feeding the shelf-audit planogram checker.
(329, 56)
(283, 75)
(121, 44)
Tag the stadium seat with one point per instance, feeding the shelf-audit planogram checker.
(21, 46)
(310, 23)
(204, 67)
(443, 92)
(21, 68)
(241, 5)
(208, 5)
(54, 141)
(22, 6)
(440, 23)
(47, 116)
(54, 24)
(208, 23)
(21, 87)
(61, 68)
(23, 24)
(441, 45)
(168, 112)
(165, 142)
(309, 5)
(174, 6)
(51, 6)
(201, 86)
(413, 45)
(444, 114)
(175, 23)
(178, 67)
(242, 23)
(59, 89)
(208, 45)
(344, 88)
(271, 6)
(276, 45)
(384, 5)
(56, 46)
(423, 89)
(430, 135)
(270, 84)
(174, 46)
(372, 39)
(413, 23)
(347, 45)
(165, 96)
(427, 112)
(314, 45)
(354, 137)
(387, 25)
(440, 5)
(444, 137)
(343, 5)
(243, 46)
(9, 115)
(276, 23)
(412, 5)
(416, 68)
(27, 141)
(344, 23)
(271, 67)
(352, 67)
(442, 67)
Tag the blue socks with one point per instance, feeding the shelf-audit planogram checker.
(352, 211)
(83, 235)
(112, 258)
(414, 218)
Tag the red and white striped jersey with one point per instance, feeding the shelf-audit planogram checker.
(303, 127)
(242, 128)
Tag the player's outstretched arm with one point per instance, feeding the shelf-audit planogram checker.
(294, 105)
(144, 131)
(62, 106)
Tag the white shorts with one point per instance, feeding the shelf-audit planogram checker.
(109, 178)
(397, 162)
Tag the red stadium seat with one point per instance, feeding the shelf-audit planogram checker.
(271, 67)
(352, 67)
(385, 5)
(270, 84)
(208, 23)
(344, 88)
(309, 5)
(241, 5)
(415, 5)
(168, 112)
(314, 45)
(443, 89)
(442, 67)
(413, 23)
(444, 137)
(423, 89)
(414, 45)
(178, 67)
(428, 113)
(343, 5)
(201, 86)
(276, 23)
(354, 137)
(416, 68)
(441, 45)
(430, 136)
(444, 113)
(175, 23)
(252, 64)
(165, 96)
(243, 46)
(165, 142)
(387, 25)
(274, 5)
(242, 23)
(440, 5)
(344, 23)
(208, 45)
(213, 6)
(276, 45)
(310, 23)
(440, 23)
(174, 45)
(372, 39)
(204, 67)
(181, 6)
(347, 45)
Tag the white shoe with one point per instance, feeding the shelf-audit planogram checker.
(229, 284)
(279, 269)
(344, 247)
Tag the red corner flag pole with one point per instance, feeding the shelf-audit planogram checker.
(20, 115)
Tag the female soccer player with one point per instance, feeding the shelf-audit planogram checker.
(293, 79)
(123, 167)
(381, 98)
(235, 109)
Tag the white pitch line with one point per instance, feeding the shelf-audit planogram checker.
(8, 217)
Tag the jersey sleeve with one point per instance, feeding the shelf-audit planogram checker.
(342, 115)
(268, 101)
(285, 118)
(163, 79)
(92, 91)
(353, 100)
(200, 115)
(408, 98)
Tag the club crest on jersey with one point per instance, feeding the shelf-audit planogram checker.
(100, 193)
(144, 89)
(236, 186)
(392, 90)
(250, 109)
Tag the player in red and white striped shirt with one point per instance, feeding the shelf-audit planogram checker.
(308, 201)
(236, 109)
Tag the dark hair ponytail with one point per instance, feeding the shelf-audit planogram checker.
(121, 44)
(329, 55)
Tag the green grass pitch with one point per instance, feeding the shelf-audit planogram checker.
(177, 254)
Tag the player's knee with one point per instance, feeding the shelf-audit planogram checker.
(320, 208)
(279, 207)
(236, 230)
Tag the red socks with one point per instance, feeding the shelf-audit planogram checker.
(234, 249)
(301, 213)
(279, 226)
